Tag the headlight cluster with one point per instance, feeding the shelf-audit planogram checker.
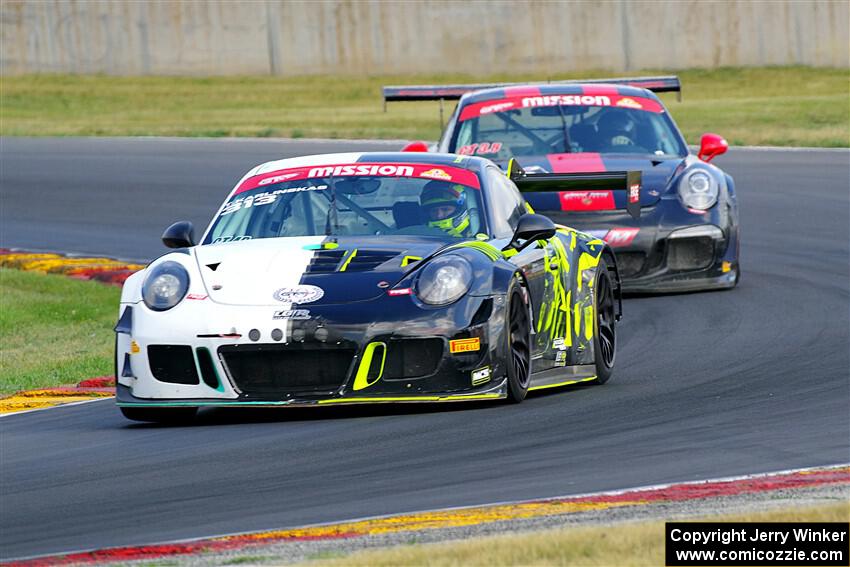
(444, 280)
(698, 189)
(165, 286)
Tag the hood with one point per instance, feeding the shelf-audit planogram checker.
(313, 270)
(656, 173)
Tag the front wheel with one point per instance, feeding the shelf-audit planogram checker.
(605, 337)
(518, 338)
(160, 415)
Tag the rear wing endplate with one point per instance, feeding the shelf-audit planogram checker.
(661, 84)
(629, 181)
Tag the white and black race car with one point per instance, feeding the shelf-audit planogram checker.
(360, 278)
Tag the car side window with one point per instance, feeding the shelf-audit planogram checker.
(505, 202)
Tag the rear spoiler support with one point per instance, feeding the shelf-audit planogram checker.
(398, 93)
(629, 181)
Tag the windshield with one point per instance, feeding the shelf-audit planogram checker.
(533, 126)
(413, 200)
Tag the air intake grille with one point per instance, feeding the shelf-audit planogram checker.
(275, 371)
(172, 363)
(630, 264)
(411, 358)
(690, 253)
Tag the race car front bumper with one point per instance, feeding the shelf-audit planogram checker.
(391, 349)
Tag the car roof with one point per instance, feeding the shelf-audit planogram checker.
(533, 89)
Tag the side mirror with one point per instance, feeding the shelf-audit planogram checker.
(415, 147)
(711, 146)
(530, 229)
(179, 235)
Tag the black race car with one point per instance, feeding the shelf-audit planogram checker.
(362, 278)
(686, 237)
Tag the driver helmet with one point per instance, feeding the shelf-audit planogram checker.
(443, 205)
(617, 128)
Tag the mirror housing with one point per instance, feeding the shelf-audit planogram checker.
(415, 147)
(531, 228)
(711, 146)
(179, 235)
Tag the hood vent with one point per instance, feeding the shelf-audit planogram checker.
(325, 261)
(366, 260)
(329, 261)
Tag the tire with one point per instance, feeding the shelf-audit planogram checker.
(160, 415)
(605, 333)
(518, 343)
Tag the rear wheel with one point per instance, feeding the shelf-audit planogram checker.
(518, 338)
(160, 415)
(605, 337)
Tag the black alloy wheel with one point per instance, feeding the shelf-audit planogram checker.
(519, 344)
(605, 337)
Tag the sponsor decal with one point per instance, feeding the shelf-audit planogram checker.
(621, 236)
(402, 291)
(196, 296)
(634, 193)
(558, 344)
(481, 149)
(498, 107)
(458, 175)
(291, 314)
(265, 198)
(561, 358)
(436, 173)
(481, 376)
(587, 200)
(565, 100)
(299, 294)
(134, 347)
(231, 238)
(532, 99)
(367, 169)
(629, 103)
(465, 345)
(277, 178)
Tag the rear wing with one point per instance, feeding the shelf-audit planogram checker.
(663, 84)
(629, 181)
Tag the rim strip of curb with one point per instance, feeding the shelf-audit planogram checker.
(29, 400)
(437, 519)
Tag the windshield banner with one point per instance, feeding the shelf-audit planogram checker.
(536, 101)
(416, 170)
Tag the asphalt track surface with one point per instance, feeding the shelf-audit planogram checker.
(707, 384)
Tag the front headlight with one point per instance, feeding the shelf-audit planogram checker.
(698, 190)
(165, 286)
(444, 280)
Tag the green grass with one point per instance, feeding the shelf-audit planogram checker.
(749, 106)
(54, 330)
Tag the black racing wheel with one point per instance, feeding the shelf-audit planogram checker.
(518, 337)
(605, 335)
